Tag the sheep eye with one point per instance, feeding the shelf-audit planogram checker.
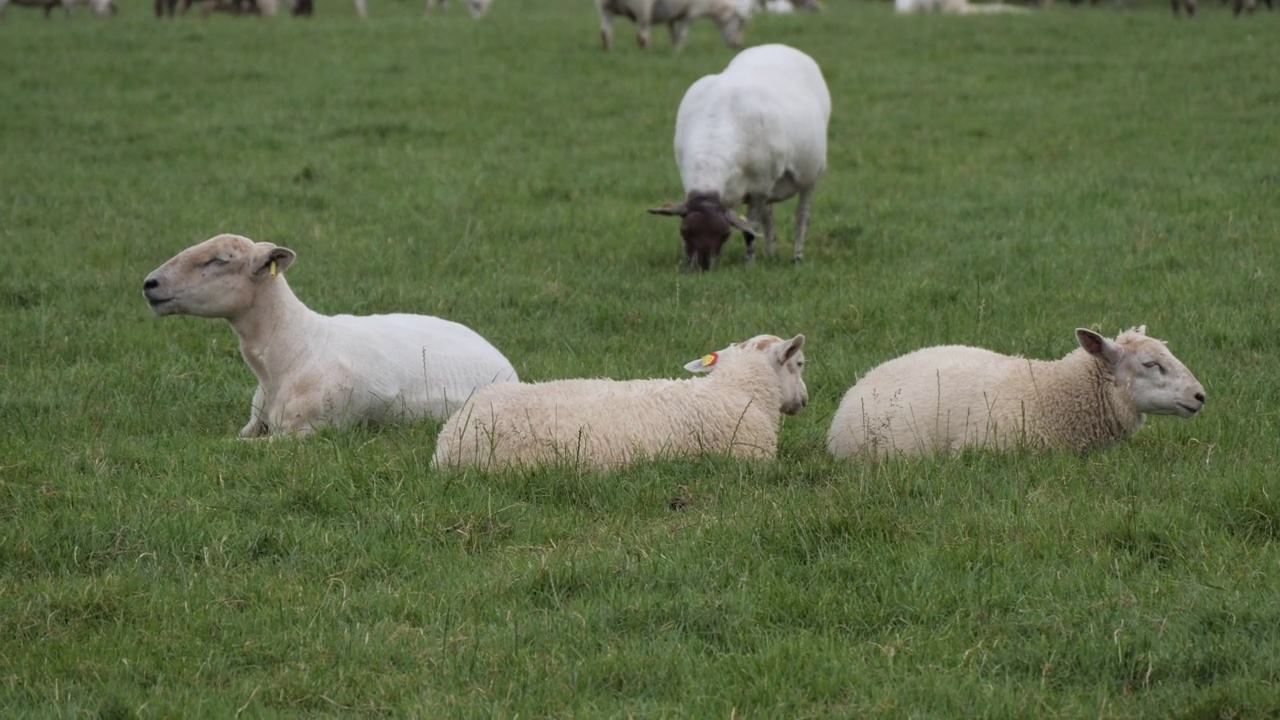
(215, 261)
(1154, 364)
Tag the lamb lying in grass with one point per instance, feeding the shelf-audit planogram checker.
(946, 398)
(316, 370)
(612, 423)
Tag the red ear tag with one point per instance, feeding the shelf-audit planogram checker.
(710, 359)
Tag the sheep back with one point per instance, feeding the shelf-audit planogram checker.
(760, 126)
(415, 365)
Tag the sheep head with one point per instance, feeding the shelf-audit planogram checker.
(219, 277)
(705, 227)
(731, 19)
(1156, 381)
(786, 357)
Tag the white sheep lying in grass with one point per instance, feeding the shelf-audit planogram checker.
(729, 15)
(611, 423)
(316, 370)
(945, 398)
(755, 133)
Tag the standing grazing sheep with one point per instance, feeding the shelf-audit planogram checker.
(612, 423)
(755, 133)
(729, 15)
(315, 370)
(949, 397)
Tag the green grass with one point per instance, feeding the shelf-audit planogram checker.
(992, 181)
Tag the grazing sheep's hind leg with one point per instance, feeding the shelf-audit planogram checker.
(679, 34)
(643, 25)
(802, 223)
(766, 221)
(757, 206)
(606, 31)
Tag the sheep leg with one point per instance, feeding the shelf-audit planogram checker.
(766, 220)
(257, 426)
(679, 34)
(802, 223)
(644, 21)
(362, 9)
(606, 30)
(642, 34)
(756, 206)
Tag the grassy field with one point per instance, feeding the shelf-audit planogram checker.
(993, 181)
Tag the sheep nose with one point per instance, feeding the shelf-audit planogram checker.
(1200, 397)
(150, 284)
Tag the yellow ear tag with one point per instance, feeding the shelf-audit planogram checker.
(273, 268)
(709, 360)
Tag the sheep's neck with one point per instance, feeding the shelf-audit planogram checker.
(1101, 414)
(276, 331)
(762, 385)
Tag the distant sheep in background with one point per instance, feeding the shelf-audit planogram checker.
(266, 8)
(1248, 6)
(613, 423)
(956, 7)
(315, 370)
(475, 8)
(755, 133)
(729, 15)
(942, 399)
(100, 8)
(786, 7)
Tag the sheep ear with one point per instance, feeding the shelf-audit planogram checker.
(741, 223)
(1141, 330)
(675, 209)
(274, 260)
(792, 347)
(704, 364)
(1098, 346)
